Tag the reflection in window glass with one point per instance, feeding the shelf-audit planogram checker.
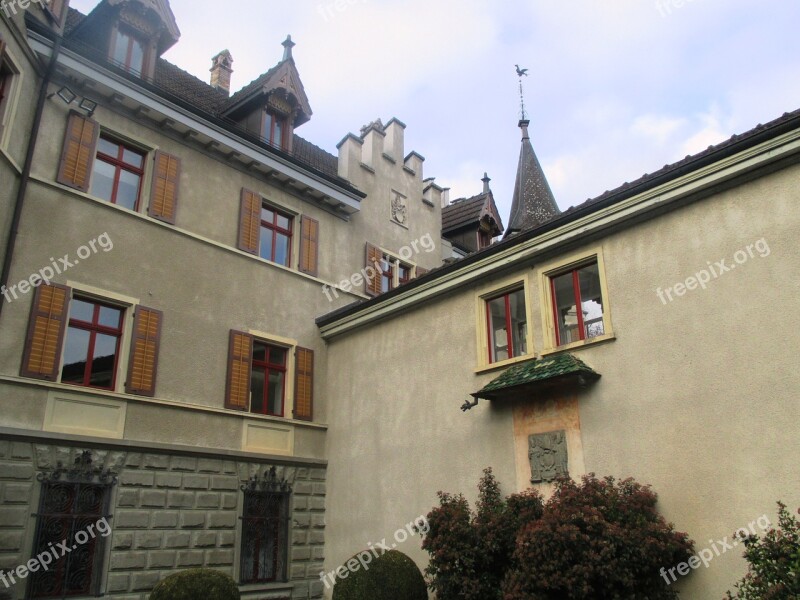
(578, 288)
(267, 381)
(91, 349)
(508, 326)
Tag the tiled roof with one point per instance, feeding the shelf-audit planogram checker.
(535, 374)
(251, 87)
(201, 95)
(462, 212)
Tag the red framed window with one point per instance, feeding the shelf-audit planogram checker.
(276, 236)
(128, 52)
(507, 323)
(268, 379)
(275, 131)
(91, 350)
(387, 274)
(577, 304)
(117, 174)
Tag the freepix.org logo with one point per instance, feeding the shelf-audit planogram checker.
(9, 7)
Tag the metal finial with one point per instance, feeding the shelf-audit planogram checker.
(287, 47)
(520, 74)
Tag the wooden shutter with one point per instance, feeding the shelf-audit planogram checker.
(240, 355)
(304, 384)
(372, 284)
(309, 245)
(249, 221)
(49, 314)
(77, 157)
(421, 272)
(164, 191)
(143, 359)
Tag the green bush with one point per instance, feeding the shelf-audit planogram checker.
(193, 584)
(391, 576)
(774, 561)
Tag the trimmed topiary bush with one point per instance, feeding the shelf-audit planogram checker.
(193, 584)
(391, 576)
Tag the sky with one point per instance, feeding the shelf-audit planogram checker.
(615, 88)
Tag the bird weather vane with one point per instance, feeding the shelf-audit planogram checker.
(520, 74)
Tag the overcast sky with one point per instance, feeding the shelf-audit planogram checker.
(617, 88)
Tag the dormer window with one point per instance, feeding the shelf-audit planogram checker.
(275, 130)
(128, 52)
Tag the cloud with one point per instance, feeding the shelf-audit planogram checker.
(659, 128)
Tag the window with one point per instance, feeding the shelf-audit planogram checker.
(117, 174)
(73, 510)
(275, 130)
(387, 274)
(265, 531)
(88, 333)
(577, 300)
(6, 80)
(91, 350)
(259, 380)
(128, 52)
(268, 379)
(484, 239)
(507, 322)
(276, 236)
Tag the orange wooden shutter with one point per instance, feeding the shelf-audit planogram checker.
(249, 221)
(309, 245)
(143, 359)
(45, 338)
(372, 284)
(80, 144)
(304, 384)
(164, 191)
(237, 387)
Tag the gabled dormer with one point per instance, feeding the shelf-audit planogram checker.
(131, 34)
(273, 105)
(471, 224)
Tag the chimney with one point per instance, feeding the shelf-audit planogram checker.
(445, 197)
(221, 69)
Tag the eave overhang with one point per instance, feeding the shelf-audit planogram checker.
(138, 97)
(767, 149)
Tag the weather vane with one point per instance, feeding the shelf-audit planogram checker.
(520, 74)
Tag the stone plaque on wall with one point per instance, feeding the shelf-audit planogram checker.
(548, 455)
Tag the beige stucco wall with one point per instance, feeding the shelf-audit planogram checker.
(698, 397)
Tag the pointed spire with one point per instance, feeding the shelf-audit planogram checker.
(288, 44)
(533, 203)
(486, 179)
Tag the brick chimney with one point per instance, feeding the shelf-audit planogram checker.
(221, 69)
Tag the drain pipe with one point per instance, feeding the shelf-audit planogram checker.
(26, 169)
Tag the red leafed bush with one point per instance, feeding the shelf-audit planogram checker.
(596, 540)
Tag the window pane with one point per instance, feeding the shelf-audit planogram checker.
(282, 249)
(76, 351)
(109, 148)
(566, 313)
(276, 393)
(81, 311)
(498, 329)
(103, 180)
(128, 190)
(132, 158)
(267, 133)
(137, 57)
(109, 317)
(277, 356)
(283, 222)
(259, 352)
(278, 138)
(257, 391)
(591, 301)
(267, 215)
(266, 243)
(519, 323)
(105, 355)
(121, 48)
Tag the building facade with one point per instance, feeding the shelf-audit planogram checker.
(222, 346)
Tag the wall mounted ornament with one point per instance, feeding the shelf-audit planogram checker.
(548, 456)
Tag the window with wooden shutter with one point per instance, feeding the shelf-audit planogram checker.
(240, 355)
(304, 384)
(249, 221)
(46, 332)
(309, 245)
(143, 360)
(164, 191)
(80, 144)
(372, 283)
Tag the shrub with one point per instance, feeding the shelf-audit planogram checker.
(596, 539)
(391, 576)
(470, 552)
(774, 562)
(196, 583)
